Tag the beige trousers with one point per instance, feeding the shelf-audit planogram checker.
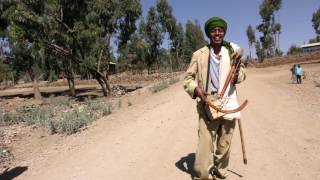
(214, 140)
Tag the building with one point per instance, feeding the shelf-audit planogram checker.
(311, 47)
(112, 68)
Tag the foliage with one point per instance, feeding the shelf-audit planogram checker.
(153, 36)
(129, 11)
(251, 37)
(134, 55)
(316, 21)
(294, 50)
(4, 72)
(174, 30)
(269, 28)
(194, 39)
(315, 40)
(63, 116)
(59, 38)
(163, 85)
(259, 51)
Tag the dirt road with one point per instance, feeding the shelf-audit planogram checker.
(156, 137)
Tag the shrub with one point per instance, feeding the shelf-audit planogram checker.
(71, 122)
(60, 116)
(159, 86)
(34, 114)
(173, 80)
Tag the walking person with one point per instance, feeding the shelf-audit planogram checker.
(298, 72)
(205, 77)
(293, 73)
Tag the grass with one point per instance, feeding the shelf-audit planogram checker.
(5, 154)
(163, 85)
(119, 104)
(66, 116)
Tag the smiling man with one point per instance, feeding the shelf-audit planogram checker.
(205, 78)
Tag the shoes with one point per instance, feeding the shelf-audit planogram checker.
(218, 174)
(195, 178)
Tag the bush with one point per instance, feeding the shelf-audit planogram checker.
(173, 80)
(71, 122)
(8, 118)
(163, 84)
(34, 114)
(63, 116)
(159, 86)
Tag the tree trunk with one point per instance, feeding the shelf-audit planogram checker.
(68, 72)
(36, 90)
(103, 81)
(71, 86)
(106, 81)
(279, 41)
(103, 86)
(250, 52)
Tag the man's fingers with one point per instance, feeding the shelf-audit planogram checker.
(235, 55)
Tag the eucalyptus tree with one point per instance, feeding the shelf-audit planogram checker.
(251, 38)
(152, 32)
(294, 50)
(259, 50)
(86, 29)
(267, 12)
(168, 23)
(28, 32)
(316, 23)
(177, 46)
(276, 30)
(4, 23)
(129, 12)
(128, 37)
(193, 40)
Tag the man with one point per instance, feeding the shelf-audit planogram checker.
(205, 77)
(293, 73)
(298, 72)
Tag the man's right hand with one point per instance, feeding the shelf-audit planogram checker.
(200, 93)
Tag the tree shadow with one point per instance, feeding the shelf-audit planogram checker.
(185, 164)
(12, 173)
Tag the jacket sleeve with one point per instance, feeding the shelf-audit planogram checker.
(242, 74)
(190, 82)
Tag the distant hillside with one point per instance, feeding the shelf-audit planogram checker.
(298, 58)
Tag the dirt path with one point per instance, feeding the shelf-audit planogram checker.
(156, 137)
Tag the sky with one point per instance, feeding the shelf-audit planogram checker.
(294, 16)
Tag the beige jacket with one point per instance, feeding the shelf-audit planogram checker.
(197, 73)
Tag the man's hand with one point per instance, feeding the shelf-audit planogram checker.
(237, 54)
(200, 93)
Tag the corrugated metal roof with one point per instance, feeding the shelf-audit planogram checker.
(310, 45)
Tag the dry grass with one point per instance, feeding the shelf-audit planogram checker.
(64, 116)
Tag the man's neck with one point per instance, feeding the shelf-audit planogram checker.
(216, 48)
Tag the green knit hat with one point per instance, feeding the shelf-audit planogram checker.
(215, 22)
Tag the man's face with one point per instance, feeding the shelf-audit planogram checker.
(216, 35)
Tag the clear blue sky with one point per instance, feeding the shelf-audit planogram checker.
(294, 16)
